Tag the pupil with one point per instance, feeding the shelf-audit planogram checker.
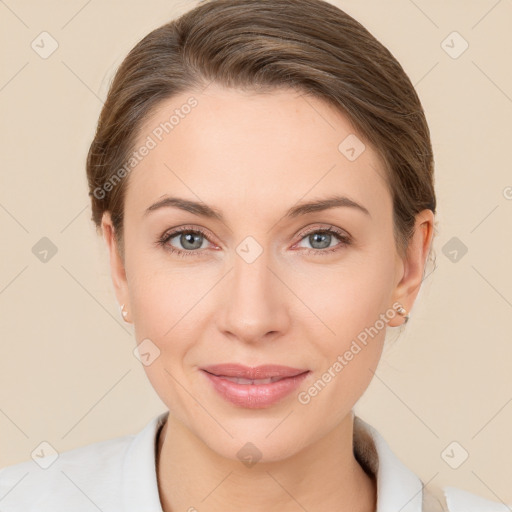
(318, 236)
(189, 237)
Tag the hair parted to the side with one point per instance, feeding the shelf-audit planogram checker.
(263, 45)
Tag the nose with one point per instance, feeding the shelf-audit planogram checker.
(255, 304)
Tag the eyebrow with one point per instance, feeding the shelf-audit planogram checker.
(203, 210)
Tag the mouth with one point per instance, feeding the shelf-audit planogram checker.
(257, 387)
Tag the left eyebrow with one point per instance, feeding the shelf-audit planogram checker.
(325, 204)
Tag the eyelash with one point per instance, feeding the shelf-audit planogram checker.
(344, 239)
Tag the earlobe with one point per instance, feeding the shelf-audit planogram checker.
(117, 268)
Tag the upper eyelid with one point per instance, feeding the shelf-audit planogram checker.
(330, 229)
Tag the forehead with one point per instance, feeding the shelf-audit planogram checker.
(253, 150)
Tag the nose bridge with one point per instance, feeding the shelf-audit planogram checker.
(256, 304)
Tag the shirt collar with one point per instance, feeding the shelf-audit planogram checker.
(140, 485)
(398, 488)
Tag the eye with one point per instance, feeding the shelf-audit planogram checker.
(190, 240)
(320, 240)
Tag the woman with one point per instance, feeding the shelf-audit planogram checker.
(262, 174)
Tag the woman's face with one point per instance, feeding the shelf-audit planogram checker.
(258, 285)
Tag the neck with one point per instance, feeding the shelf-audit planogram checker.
(323, 476)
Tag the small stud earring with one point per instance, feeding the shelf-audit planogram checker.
(403, 312)
(123, 312)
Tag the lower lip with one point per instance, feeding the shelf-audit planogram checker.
(255, 396)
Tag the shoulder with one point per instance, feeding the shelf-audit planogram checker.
(116, 474)
(56, 481)
(459, 500)
(398, 488)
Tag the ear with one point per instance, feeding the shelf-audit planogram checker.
(117, 268)
(413, 264)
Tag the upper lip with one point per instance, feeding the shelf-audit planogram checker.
(258, 372)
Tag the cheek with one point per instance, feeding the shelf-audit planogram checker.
(169, 309)
(165, 306)
(346, 299)
(348, 341)
(352, 307)
(164, 291)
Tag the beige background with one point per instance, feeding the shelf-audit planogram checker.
(68, 374)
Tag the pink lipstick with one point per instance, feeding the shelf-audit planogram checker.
(254, 387)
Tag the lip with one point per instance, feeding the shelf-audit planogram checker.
(284, 380)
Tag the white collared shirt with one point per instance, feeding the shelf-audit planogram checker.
(119, 475)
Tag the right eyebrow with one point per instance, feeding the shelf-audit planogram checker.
(195, 207)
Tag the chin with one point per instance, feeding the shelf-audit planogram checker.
(256, 440)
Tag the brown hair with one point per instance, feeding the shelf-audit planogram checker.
(262, 45)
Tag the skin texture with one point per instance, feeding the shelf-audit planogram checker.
(253, 156)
